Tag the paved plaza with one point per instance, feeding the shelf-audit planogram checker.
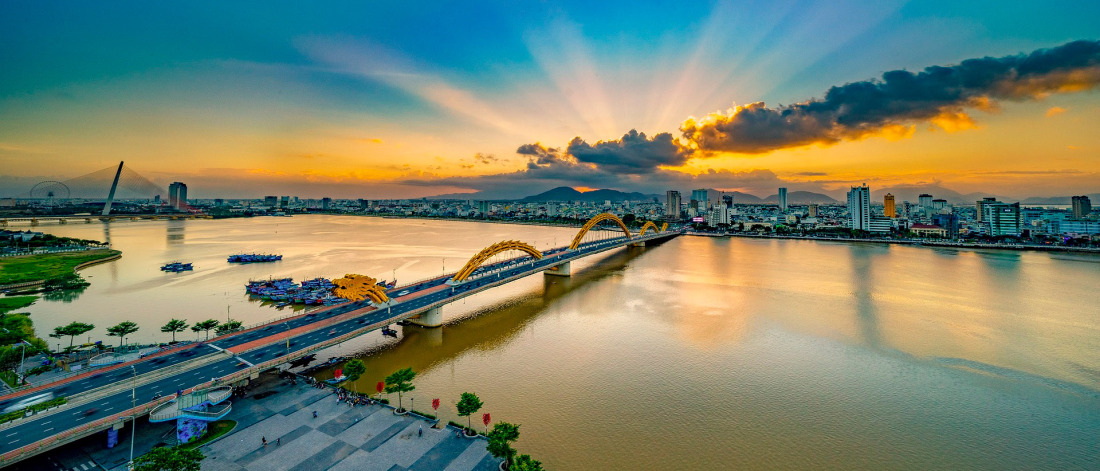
(339, 438)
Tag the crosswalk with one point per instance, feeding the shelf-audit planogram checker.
(88, 465)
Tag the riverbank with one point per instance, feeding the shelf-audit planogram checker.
(911, 242)
(51, 269)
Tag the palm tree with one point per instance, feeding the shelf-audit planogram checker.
(121, 330)
(206, 326)
(173, 326)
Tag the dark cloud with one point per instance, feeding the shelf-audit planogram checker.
(900, 97)
(540, 154)
(632, 154)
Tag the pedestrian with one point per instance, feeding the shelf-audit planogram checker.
(278, 441)
(420, 432)
(264, 439)
(314, 414)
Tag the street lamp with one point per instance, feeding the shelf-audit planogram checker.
(133, 422)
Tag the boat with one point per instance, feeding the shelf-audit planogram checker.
(253, 258)
(176, 267)
(336, 380)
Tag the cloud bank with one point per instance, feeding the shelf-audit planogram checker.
(937, 94)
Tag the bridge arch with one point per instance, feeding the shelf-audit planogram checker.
(592, 223)
(486, 253)
(647, 225)
(359, 287)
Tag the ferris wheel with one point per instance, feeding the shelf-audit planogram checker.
(50, 191)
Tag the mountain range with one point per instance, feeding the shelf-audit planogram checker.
(901, 193)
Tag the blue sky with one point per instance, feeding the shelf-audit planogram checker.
(391, 92)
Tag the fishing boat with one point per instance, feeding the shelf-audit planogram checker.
(176, 267)
(253, 258)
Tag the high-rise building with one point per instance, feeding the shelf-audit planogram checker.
(938, 204)
(284, 201)
(925, 201)
(859, 208)
(177, 195)
(326, 203)
(783, 199)
(949, 222)
(483, 208)
(889, 210)
(271, 201)
(699, 199)
(1002, 219)
(727, 201)
(980, 206)
(1082, 206)
(672, 205)
(811, 211)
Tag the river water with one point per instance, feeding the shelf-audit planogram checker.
(699, 353)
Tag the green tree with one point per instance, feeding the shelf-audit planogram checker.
(526, 463)
(71, 331)
(205, 326)
(400, 382)
(169, 459)
(227, 327)
(121, 330)
(500, 442)
(354, 369)
(173, 326)
(468, 404)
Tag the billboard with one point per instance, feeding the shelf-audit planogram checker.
(696, 219)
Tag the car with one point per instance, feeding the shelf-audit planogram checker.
(28, 401)
(403, 293)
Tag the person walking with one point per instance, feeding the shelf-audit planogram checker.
(264, 440)
(420, 432)
(278, 441)
(314, 414)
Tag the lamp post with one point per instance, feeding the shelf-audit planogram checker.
(133, 422)
(22, 356)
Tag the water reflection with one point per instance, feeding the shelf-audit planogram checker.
(174, 230)
(484, 329)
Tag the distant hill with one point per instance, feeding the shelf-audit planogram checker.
(1095, 197)
(912, 194)
(743, 198)
(800, 197)
(564, 193)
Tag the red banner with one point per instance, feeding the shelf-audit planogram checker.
(380, 387)
(435, 404)
(485, 419)
(339, 373)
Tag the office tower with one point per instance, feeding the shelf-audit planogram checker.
(271, 201)
(672, 205)
(1082, 206)
(783, 199)
(949, 222)
(284, 201)
(156, 200)
(889, 210)
(1002, 219)
(981, 207)
(177, 195)
(925, 201)
(859, 208)
(699, 199)
(483, 208)
(727, 201)
(811, 211)
(326, 203)
(938, 204)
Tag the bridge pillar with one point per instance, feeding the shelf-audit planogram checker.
(638, 244)
(562, 269)
(431, 318)
(34, 222)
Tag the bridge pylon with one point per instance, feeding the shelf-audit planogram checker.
(431, 318)
(562, 269)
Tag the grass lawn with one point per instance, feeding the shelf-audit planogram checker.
(214, 430)
(11, 303)
(46, 266)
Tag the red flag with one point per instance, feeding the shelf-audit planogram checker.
(435, 404)
(339, 372)
(380, 387)
(485, 419)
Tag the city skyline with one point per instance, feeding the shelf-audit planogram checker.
(390, 102)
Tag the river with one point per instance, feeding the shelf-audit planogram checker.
(699, 353)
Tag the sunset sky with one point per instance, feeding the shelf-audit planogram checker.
(408, 99)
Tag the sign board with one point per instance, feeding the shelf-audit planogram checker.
(696, 219)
